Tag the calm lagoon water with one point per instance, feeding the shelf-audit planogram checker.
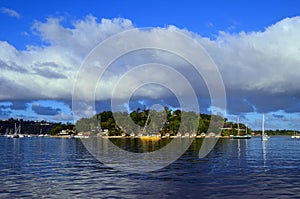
(62, 168)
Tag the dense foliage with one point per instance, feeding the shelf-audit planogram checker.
(106, 121)
(173, 123)
(33, 127)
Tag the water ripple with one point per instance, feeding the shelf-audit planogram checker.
(62, 168)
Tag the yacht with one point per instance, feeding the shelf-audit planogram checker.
(295, 136)
(264, 136)
(238, 136)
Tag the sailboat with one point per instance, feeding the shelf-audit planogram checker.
(295, 136)
(238, 136)
(6, 132)
(264, 136)
(41, 133)
(17, 132)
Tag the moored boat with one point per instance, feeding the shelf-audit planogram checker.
(242, 136)
(238, 136)
(295, 136)
(264, 136)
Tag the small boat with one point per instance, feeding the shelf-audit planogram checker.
(15, 136)
(264, 136)
(242, 137)
(17, 132)
(238, 136)
(149, 138)
(295, 136)
(41, 133)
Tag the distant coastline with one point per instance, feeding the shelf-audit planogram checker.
(110, 130)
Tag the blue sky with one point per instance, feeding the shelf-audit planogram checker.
(245, 38)
(203, 17)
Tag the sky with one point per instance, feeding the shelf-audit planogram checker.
(255, 45)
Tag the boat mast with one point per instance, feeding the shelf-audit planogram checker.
(146, 123)
(238, 123)
(263, 125)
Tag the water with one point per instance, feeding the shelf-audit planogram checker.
(62, 168)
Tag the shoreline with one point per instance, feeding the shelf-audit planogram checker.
(140, 137)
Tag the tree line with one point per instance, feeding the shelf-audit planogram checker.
(33, 127)
(106, 120)
(140, 119)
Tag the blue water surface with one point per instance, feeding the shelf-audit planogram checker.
(62, 168)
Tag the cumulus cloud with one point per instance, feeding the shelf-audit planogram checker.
(265, 60)
(261, 67)
(10, 12)
(48, 72)
(62, 117)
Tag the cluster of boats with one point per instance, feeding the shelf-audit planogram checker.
(17, 133)
(23, 135)
(264, 136)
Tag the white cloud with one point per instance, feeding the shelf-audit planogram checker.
(266, 61)
(84, 34)
(62, 117)
(48, 72)
(10, 12)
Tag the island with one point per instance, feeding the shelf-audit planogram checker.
(104, 124)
